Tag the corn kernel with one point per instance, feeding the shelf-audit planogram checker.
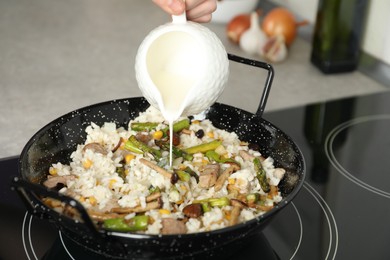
(197, 164)
(183, 187)
(52, 171)
(227, 215)
(53, 203)
(210, 134)
(205, 162)
(164, 211)
(232, 181)
(111, 184)
(157, 135)
(225, 156)
(179, 202)
(221, 150)
(81, 199)
(195, 122)
(129, 157)
(92, 200)
(87, 164)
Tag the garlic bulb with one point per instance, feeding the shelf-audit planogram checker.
(275, 49)
(253, 38)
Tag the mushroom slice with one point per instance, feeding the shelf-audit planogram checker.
(246, 156)
(143, 137)
(149, 206)
(208, 175)
(264, 207)
(53, 181)
(101, 216)
(116, 147)
(193, 210)
(173, 226)
(153, 196)
(238, 205)
(249, 157)
(172, 176)
(224, 176)
(95, 147)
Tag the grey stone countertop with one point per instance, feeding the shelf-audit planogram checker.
(57, 56)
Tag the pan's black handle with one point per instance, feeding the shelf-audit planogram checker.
(268, 82)
(30, 192)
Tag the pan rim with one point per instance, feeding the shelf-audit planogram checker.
(283, 203)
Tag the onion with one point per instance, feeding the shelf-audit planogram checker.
(237, 26)
(280, 21)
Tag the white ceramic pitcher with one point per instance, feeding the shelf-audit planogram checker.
(181, 68)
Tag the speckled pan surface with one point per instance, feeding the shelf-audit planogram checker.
(58, 139)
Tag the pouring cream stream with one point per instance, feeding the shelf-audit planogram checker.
(181, 69)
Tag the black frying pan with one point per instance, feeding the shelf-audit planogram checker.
(56, 141)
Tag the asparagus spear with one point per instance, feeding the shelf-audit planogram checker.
(261, 175)
(175, 151)
(180, 125)
(180, 153)
(121, 172)
(206, 207)
(153, 189)
(143, 126)
(192, 173)
(132, 144)
(219, 202)
(214, 156)
(202, 148)
(215, 202)
(252, 198)
(183, 175)
(136, 223)
(148, 126)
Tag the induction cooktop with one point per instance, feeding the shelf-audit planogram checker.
(342, 211)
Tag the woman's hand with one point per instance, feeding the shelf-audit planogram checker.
(197, 10)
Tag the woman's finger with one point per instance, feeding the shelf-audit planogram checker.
(174, 7)
(200, 10)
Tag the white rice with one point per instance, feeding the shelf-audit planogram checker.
(100, 188)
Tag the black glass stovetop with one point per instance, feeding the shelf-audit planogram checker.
(342, 211)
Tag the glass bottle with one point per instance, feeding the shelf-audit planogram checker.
(337, 35)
